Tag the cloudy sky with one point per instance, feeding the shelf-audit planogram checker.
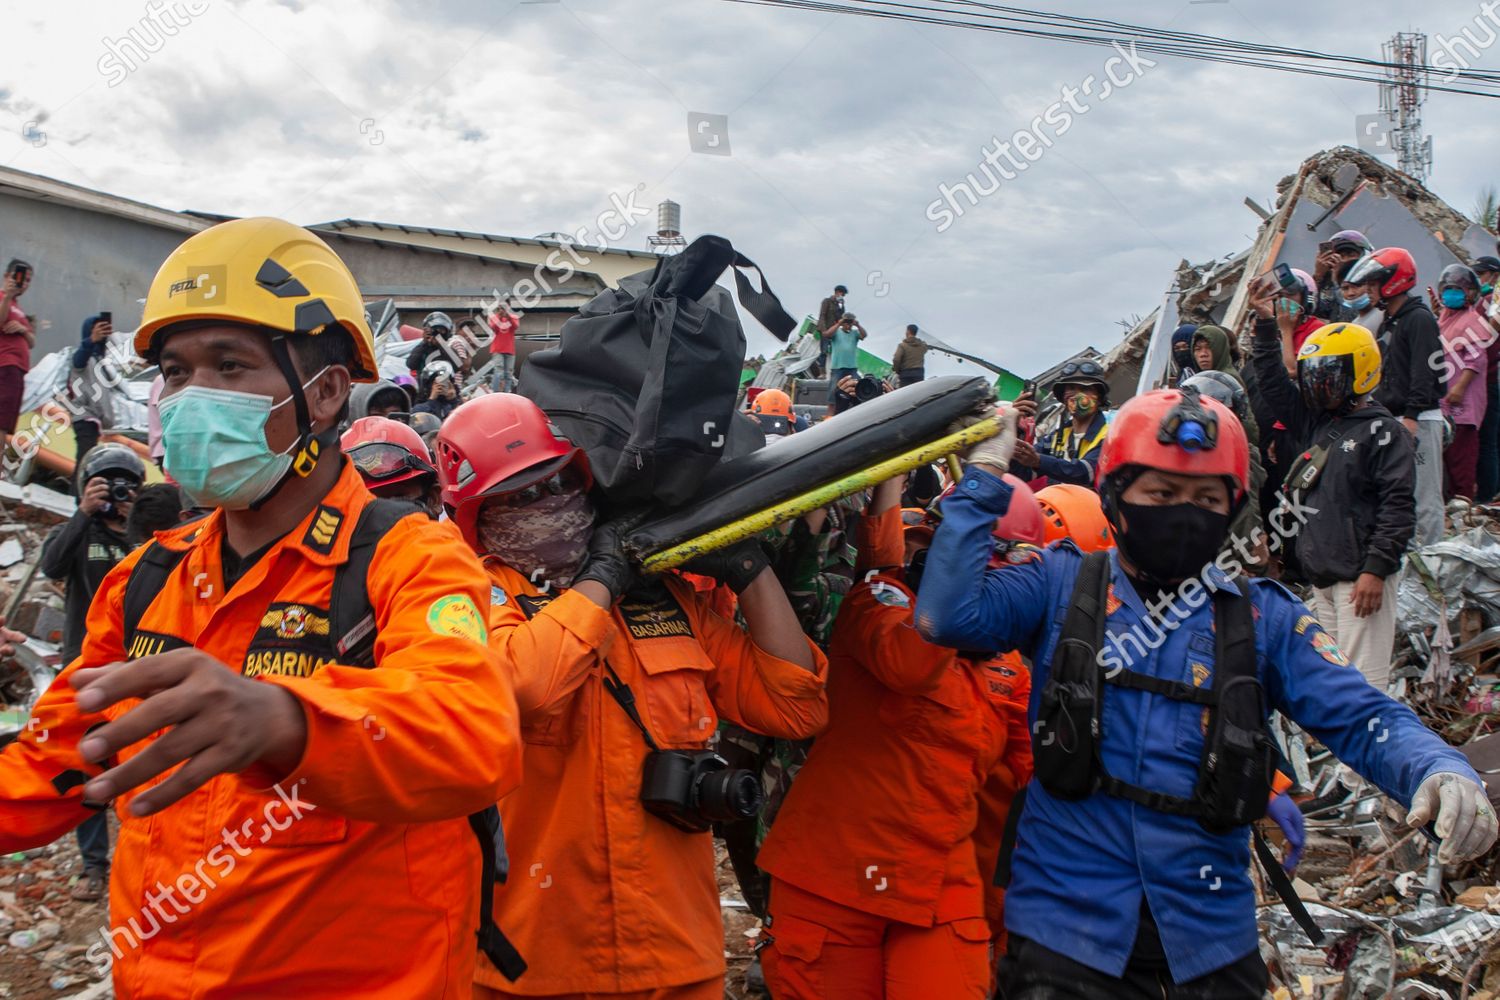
(526, 117)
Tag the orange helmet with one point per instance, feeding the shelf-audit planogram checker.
(1070, 511)
(772, 403)
(1179, 431)
(495, 444)
(386, 451)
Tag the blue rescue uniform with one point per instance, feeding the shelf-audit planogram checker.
(1081, 868)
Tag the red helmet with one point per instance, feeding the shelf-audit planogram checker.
(1177, 431)
(386, 451)
(1393, 267)
(1022, 520)
(495, 444)
(1074, 512)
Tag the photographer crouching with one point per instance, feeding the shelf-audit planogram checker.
(79, 553)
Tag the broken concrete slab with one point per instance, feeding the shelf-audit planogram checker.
(39, 498)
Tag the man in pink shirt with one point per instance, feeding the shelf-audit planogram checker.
(1466, 336)
(503, 348)
(16, 339)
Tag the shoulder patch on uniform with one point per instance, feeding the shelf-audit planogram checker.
(324, 530)
(1327, 648)
(889, 595)
(1111, 602)
(1022, 552)
(1306, 622)
(497, 596)
(456, 615)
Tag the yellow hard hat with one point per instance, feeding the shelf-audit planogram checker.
(264, 272)
(1336, 347)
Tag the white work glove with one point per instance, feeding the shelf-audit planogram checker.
(997, 450)
(1465, 821)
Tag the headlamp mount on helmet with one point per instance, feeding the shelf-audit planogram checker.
(1189, 425)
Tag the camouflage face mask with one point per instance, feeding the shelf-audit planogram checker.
(545, 541)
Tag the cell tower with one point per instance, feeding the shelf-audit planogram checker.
(1401, 100)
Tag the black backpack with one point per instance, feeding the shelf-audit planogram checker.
(351, 640)
(645, 377)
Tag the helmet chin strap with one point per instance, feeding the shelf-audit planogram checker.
(308, 446)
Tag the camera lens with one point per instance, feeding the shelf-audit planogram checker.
(120, 491)
(867, 388)
(729, 794)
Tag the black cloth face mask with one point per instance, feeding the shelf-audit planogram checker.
(1166, 545)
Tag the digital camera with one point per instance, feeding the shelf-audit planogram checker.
(692, 790)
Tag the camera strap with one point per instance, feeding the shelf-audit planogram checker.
(621, 693)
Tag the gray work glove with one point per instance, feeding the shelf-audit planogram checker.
(997, 451)
(1465, 820)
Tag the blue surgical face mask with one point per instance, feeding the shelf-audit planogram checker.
(215, 443)
(1290, 306)
(1358, 305)
(1453, 298)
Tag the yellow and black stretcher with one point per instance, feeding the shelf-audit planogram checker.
(841, 456)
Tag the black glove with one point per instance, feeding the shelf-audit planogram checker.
(737, 566)
(607, 563)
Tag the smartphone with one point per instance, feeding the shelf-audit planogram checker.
(1028, 388)
(19, 268)
(105, 316)
(1324, 247)
(1284, 276)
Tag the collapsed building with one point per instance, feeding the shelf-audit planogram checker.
(1336, 189)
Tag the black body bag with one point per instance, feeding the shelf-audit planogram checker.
(645, 377)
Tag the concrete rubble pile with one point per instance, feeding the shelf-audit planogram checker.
(1396, 923)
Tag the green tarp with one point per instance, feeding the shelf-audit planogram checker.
(869, 364)
(1008, 386)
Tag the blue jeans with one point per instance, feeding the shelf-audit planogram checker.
(504, 379)
(93, 844)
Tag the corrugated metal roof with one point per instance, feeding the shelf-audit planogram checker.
(342, 224)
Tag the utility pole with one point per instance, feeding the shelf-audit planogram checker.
(1401, 98)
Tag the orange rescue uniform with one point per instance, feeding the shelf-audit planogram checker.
(873, 859)
(357, 874)
(603, 897)
(1009, 678)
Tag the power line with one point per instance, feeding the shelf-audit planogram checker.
(974, 15)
